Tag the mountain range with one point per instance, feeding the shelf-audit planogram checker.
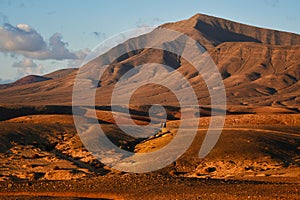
(260, 68)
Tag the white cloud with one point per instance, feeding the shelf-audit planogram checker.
(27, 67)
(24, 27)
(80, 58)
(20, 38)
(56, 50)
(24, 40)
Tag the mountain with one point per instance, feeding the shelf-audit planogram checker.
(60, 73)
(35, 78)
(212, 31)
(25, 81)
(260, 67)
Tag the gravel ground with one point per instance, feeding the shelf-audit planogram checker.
(149, 186)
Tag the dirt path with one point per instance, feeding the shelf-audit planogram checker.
(258, 130)
(247, 129)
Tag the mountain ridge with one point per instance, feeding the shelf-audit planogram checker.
(209, 26)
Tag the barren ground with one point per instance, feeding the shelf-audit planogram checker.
(257, 156)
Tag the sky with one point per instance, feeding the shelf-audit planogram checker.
(41, 36)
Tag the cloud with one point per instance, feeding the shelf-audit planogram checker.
(51, 12)
(4, 81)
(27, 66)
(153, 22)
(25, 63)
(56, 50)
(157, 19)
(24, 40)
(99, 35)
(20, 38)
(272, 3)
(80, 58)
(141, 23)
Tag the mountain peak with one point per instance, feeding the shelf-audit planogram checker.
(211, 31)
(200, 16)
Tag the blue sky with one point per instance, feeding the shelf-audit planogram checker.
(72, 27)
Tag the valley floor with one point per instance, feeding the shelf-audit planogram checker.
(256, 157)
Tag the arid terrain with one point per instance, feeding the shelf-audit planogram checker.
(256, 157)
